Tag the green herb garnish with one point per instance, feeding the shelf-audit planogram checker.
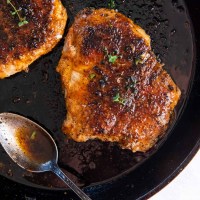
(142, 58)
(91, 76)
(112, 59)
(21, 23)
(118, 99)
(22, 20)
(111, 4)
(33, 135)
(137, 61)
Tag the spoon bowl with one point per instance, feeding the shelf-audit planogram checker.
(32, 147)
(28, 144)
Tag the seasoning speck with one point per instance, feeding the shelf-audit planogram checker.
(118, 99)
(91, 76)
(112, 59)
(33, 135)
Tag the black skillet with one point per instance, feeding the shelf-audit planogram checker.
(106, 171)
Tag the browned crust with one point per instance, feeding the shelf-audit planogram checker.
(23, 45)
(148, 89)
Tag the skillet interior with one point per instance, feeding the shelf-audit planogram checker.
(38, 94)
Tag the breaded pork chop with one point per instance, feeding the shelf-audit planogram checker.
(115, 88)
(21, 45)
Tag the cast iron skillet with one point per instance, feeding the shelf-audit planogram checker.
(94, 164)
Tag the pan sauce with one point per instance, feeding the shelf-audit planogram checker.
(34, 144)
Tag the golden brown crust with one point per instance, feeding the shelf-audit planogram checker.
(128, 100)
(23, 45)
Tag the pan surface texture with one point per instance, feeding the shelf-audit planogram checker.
(103, 169)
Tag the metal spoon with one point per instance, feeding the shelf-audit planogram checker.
(31, 147)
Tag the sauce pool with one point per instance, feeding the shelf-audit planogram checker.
(35, 145)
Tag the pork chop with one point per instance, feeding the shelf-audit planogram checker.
(42, 26)
(115, 88)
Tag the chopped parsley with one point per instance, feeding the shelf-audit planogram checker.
(137, 61)
(118, 99)
(111, 4)
(91, 76)
(33, 135)
(112, 59)
(142, 58)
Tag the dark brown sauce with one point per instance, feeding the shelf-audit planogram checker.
(34, 144)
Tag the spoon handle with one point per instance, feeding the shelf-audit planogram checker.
(55, 169)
